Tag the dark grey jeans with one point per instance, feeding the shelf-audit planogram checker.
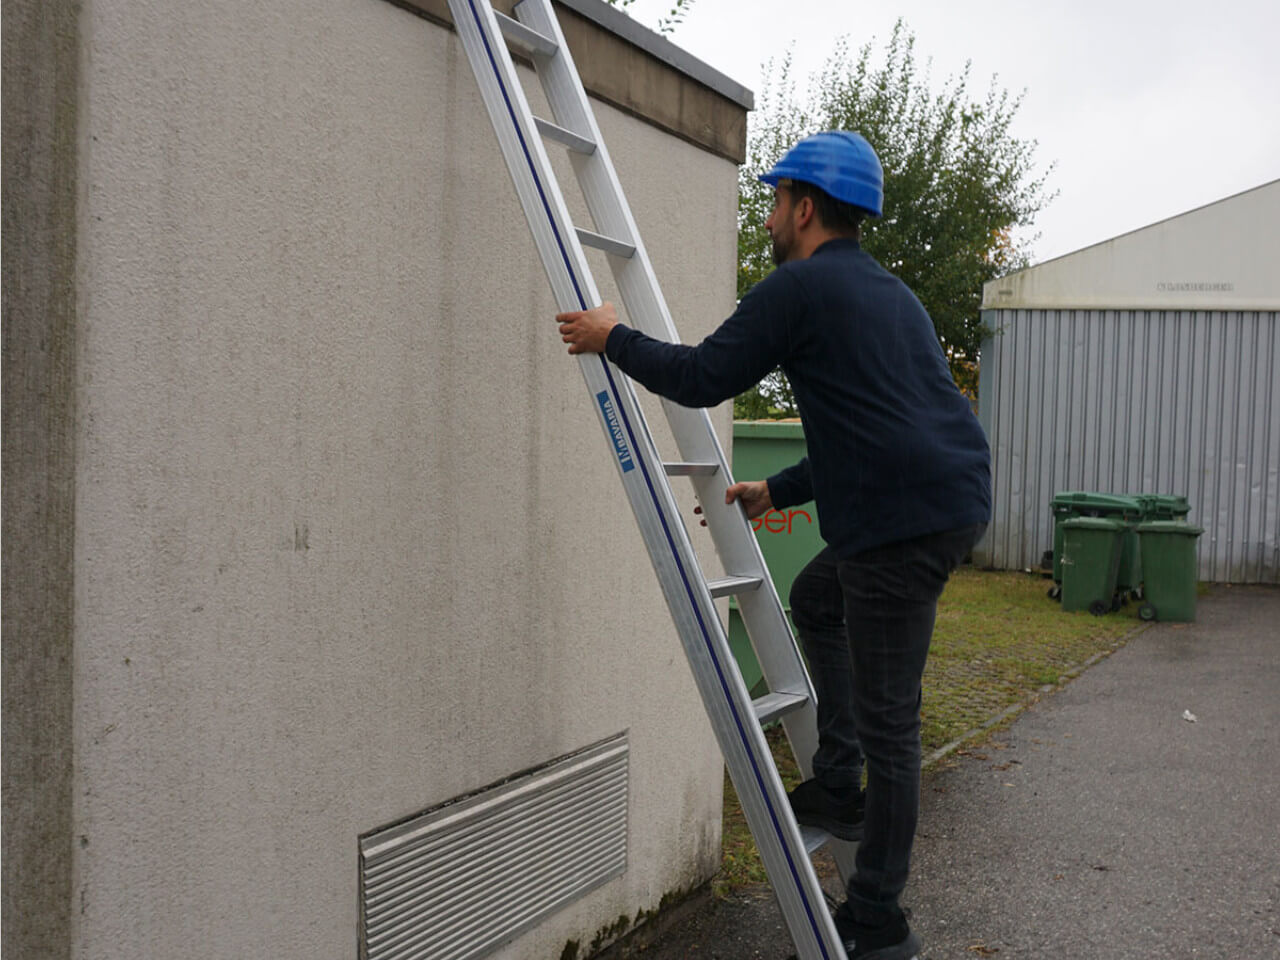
(865, 624)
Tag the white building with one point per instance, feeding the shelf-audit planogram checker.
(308, 524)
(1147, 363)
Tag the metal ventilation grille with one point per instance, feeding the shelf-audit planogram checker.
(458, 881)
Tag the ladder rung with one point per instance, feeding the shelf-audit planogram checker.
(686, 469)
(731, 585)
(525, 37)
(774, 705)
(814, 839)
(609, 245)
(559, 134)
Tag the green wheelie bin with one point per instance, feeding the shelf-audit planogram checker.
(1091, 551)
(1155, 506)
(1070, 504)
(1169, 566)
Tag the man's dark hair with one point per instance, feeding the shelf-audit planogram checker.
(836, 215)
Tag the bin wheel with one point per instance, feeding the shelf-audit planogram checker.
(1098, 608)
(1147, 612)
(1055, 591)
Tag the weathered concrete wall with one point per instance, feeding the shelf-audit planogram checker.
(39, 130)
(348, 539)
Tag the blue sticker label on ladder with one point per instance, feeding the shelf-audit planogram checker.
(615, 431)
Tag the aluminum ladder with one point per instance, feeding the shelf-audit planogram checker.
(736, 719)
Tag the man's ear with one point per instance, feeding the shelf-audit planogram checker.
(805, 211)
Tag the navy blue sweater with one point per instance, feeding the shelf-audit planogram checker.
(895, 451)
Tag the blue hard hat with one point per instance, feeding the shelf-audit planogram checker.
(839, 162)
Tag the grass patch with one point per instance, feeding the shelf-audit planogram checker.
(998, 640)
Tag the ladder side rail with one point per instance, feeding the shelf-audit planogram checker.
(638, 286)
(735, 542)
(600, 186)
(561, 252)
(566, 265)
(761, 610)
(776, 647)
(525, 155)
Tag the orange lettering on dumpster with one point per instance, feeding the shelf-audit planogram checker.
(775, 521)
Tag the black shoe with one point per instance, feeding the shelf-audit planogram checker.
(814, 806)
(894, 940)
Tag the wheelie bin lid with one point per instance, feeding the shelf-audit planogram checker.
(1173, 506)
(1102, 504)
(1149, 502)
(1169, 504)
(1169, 526)
(1095, 523)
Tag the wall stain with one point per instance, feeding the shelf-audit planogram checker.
(625, 928)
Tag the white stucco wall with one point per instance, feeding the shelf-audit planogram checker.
(349, 541)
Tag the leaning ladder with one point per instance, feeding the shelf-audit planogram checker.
(736, 719)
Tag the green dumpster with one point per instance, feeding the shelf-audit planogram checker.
(788, 538)
(1128, 509)
(1168, 507)
(1155, 506)
(1169, 568)
(1091, 550)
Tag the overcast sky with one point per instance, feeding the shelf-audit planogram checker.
(1149, 109)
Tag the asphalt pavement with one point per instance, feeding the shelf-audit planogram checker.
(1132, 814)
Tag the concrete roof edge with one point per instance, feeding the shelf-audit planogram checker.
(1129, 233)
(1136, 306)
(659, 47)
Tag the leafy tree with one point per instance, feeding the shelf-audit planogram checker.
(957, 186)
(666, 23)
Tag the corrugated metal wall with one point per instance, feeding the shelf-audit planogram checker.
(1151, 401)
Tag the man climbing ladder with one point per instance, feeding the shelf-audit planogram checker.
(899, 470)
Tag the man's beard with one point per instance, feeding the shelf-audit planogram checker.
(780, 250)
